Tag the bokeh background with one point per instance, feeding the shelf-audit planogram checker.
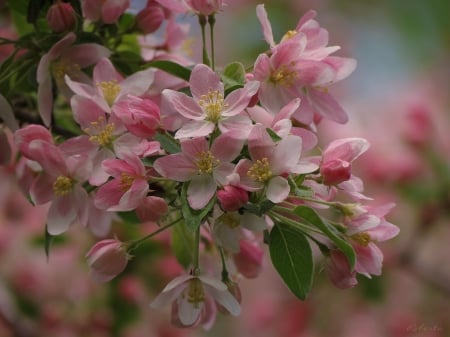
(398, 98)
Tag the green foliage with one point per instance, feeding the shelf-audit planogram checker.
(309, 215)
(183, 244)
(194, 218)
(171, 68)
(168, 143)
(233, 76)
(291, 256)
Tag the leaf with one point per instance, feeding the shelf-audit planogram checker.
(309, 215)
(171, 68)
(183, 244)
(47, 243)
(194, 218)
(33, 10)
(168, 143)
(233, 75)
(291, 256)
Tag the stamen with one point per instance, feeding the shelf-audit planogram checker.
(284, 76)
(260, 170)
(289, 34)
(110, 90)
(206, 162)
(213, 104)
(362, 238)
(126, 180)
(60, 68)
(101, 132)
(62, 186)
(195, 292)
(229, 219)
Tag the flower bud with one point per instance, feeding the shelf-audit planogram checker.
(335, 171)
(338, 270)
(151, 209)
(206, 7)
(249, 259)
(150, 18)
(107, 259)
(61, 17)
(231, 198)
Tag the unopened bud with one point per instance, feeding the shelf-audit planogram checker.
(61, 17)
(231, 198)
(335, 171)
(150, 18)
(249, 259)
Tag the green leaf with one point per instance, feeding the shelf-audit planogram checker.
(233, 75)
(129, 217)
(291, 256)
(273, 135)
(47, 243)
(183, 244)
(167, 142)
(194, 218)
(171, 68)
(309, 215)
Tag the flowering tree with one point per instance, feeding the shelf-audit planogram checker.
(112, 126)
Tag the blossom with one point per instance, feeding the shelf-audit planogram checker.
(204, 167)
(64, 58)
(107, 11)
(208, 107)
(249, 259)
(107, 259)
(231, 198)
(110, 86)
(189, 297)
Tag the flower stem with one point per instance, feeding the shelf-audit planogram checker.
(225, 277)
(196, 269)
(202, 22)
(212, 21)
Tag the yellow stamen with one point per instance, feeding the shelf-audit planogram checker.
(213, 104)
(229, 219)
(206, 162)
(362, 238)
(284, 76)
(110, 90)
(63, 185)
(101, 132)
(260, 170)
(195, 292)
(289, 34)
(126, 180)
(63, 67)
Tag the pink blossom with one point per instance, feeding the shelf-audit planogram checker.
(107, 11)
(231, 198)
(128, 188)
(208, 107)
(152, 208)
(270, 164)
(61, 17)
(205, 7)
(204, 167)
(191, 297)
(336, 162)
(110, 86)
(107, 259)
(338, 270)
(249, 260)
(64, 58)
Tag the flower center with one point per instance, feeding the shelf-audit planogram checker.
(206, 162)
(284, 76)
(101, 132)
(110, 90)
(62, 67)
(126, 180)
(212, 103)
(289, 34)
(195, 292)
(362, 238)
(230, 219)
(260, 170)
(62, 186)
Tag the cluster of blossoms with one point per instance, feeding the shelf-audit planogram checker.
(228, 156)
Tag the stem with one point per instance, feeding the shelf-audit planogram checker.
(317, 201)
(212, 21)
(224, 266)
(202, 22)
(282, 218)
(134, 244)
(196, 269)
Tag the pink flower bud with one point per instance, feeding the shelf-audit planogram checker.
(206, 7)
(249, 259)
(335, 171)
(151, 209)
(107, 259)
(338, 270)
(150, 18)
(61, 17)
(232, 198)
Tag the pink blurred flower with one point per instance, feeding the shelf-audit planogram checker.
(250, 258)
(192, 296)
(208, 107)
(338, 270)
(150, 18)
(107, 259)
(64, 58)
(203, 166)
(107, 11)
(61, 17)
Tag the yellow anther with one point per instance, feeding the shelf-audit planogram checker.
(289, 34)
(229, 219)
(284, 76)
(206, 162)
(110, 90)
(101, 132)
(195, 292)
(213, 104)
(126, 180)
(62, 186)
(362, 238)
(260, 170)
(63, 67)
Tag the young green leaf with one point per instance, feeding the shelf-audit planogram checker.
(291, 256)
(313, 218)
(183, 244)
(168, 143)
(172, 68)
(194, 218)
(233, 75)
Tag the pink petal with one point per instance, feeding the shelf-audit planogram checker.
(61, 214)
(176, 167)
(342, 65)
(104, 71)
(200, 191)
(184, 105)
(7, 115)
(61, 45)
(260, 144)
(226, 147)
(225, 299)
(369, 259)
(45, 101)
(86, 111)
(204, 80)
(131, 199)
(98, 174)
(265, 24)
(200, 128)
(327, 106)
(238, 100)
(138, 83)
(286, 155)
(240, 126)
(86, 54)
(108, 194)
(277, 189)
(41, 190)
(187, 312)
(346, 149)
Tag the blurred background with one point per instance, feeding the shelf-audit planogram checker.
(398, 98)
